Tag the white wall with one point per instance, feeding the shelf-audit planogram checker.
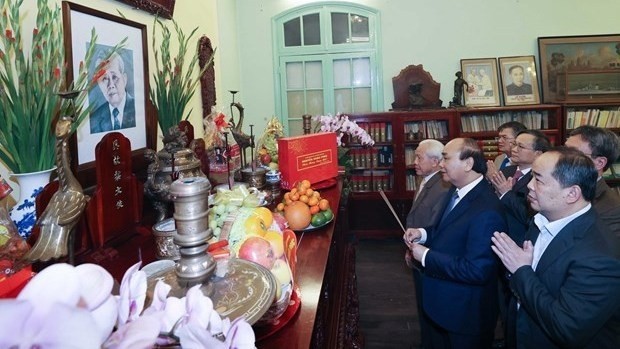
(436, 34)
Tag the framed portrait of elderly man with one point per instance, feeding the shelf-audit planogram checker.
(519, 82)
(118, 101)
(482, 88)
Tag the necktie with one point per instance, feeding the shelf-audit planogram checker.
(117, 125)
(504, 163)
(542, 242)
(518, 174)
(453, 201)
(417, 194)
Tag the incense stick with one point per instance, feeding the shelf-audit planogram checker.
(387, 202)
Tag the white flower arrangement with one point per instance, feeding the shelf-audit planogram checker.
(342, 125)
(73, 307)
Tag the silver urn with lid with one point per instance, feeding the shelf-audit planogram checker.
(190, 197)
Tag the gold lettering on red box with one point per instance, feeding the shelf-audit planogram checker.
(311, 160)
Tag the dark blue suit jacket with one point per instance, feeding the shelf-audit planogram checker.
(101, 119)
(460, 276)
(518, 210)
(573, 297)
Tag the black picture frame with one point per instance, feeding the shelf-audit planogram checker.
(78, 21)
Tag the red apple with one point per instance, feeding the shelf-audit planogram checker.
(265, 159)
(257, 250)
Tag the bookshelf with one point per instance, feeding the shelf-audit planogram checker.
(388, 165)
(482, 123)
(599, 114)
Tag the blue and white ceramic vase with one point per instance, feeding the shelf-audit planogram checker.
(24, 212)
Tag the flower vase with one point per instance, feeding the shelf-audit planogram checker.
(24, 212)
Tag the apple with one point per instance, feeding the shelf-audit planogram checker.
(257, 250)
(265, 159)
(282, 272)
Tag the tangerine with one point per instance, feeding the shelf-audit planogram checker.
(323, 204)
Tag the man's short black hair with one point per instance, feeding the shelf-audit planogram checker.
(575, 168)
(541, 141)
(471, 149)
(602, 142)
(514, 125)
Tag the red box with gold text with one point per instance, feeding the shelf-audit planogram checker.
(313, 157)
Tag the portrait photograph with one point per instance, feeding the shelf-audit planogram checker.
(579, 68)
(112, 99)
(519, 81)
(117, 101)
(482, 82)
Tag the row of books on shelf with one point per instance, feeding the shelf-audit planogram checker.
(533, 120)
(375, 181)
(595, 117)
(372, 157)
(435, 129)
(378, 131)
(411, 182)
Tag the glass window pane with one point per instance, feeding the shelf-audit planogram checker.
(315, 102)
(343, 101)
(292, 33)
(359, 29)
(314, 74)
(361, 72)
(342, 73)
(340, 28)
(295, 127)
(362, 98)
(312, 29)
(294, 75)
(295, 101)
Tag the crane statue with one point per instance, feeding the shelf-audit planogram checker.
(66, 205)
(245, 141)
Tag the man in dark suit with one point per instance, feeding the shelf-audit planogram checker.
(511, 182)
(426, 208)
(566, 280)
(510, 185)
(119, 111)
(459, 281)
(603, 147)
(507, 133)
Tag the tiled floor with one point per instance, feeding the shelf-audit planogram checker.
(388, 316)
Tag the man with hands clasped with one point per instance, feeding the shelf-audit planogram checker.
(566, 278)
(459, 269)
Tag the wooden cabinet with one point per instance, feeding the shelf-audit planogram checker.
(482, 123)
(388, 166)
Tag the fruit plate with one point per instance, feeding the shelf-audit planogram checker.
(312, 227)
(265, 331)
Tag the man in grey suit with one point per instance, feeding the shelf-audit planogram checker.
(426, 207)
(602, 146)
(566, 278)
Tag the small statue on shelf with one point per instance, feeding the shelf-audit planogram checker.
(459, 83)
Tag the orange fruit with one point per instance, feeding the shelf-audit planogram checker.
(309, 192)
(293, 191)
(287, 195)
(316, 194)
(303, 198)
(312, 201)
(314, 209)
(295, 197)
(280, 207)
(323, 204)
(305, 183)
(297, 215)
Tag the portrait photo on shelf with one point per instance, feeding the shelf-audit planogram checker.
(519, 81)
(118, 101)
(580, 68)
(482, 82)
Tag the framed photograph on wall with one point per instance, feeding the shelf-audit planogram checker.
(519, 82)
(162, 8)
(482, 82)
(580, 68)
(119, 100)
